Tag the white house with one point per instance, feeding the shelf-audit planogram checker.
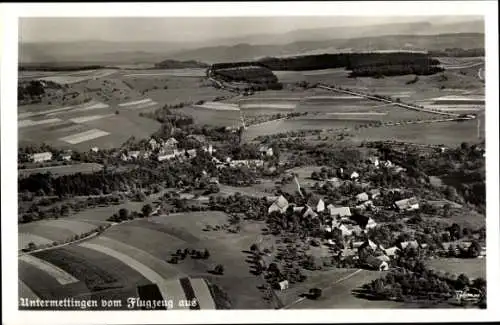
(171, 143)
(280, 205)
(371, 223)
(316, 203)
(392, 251)
(387, 164)
(374, 193)
(362, 197)
(283, 285)
(376, 264)
(354, 175)
(409, 244)
(153, 144)
(309, 213)
(374, 161)
(191, 153)
(134, 154)
(340, 211)
(266, 151)
(345, 231)
(94, 149)
(209, 148)
(42, 156)
(410, 204)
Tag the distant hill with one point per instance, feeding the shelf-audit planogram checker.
(434, 34)
(242, 52)
(174, 64)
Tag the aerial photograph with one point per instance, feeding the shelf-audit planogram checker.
(193, 163)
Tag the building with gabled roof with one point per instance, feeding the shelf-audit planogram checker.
(374, 193)
(392, 251)
(376, 264)
(280, 205)
(316, 203)
(339, 211)
(362, 197)
(409, 244)
(354, 175)
(266, 150)
(41, 156)
(409, 204)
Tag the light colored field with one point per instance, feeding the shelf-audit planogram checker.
(26, 123)
(137, 102)
(218, 106)
(203, 294)
(25, 291)
(77, 227)
(84, 136)
(171, 73)
(472, 267)
(175, 292)
(62, 170)
(93, 106)
(60, 275)
(84, 119)
(25, 238)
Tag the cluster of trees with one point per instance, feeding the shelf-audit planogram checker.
(412, 280)
(259, 77)
(457, 52)
(169, 118)
(33, 90)
(123, 214)
(180, 255)
(388, 70)
(37, 212)
(174, 64)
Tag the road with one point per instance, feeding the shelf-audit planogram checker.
(388, 101)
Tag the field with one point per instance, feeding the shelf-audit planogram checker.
(49, 231)
(130, 251)
(101, 108)
(473, 267)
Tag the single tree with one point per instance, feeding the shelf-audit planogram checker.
(146, 210)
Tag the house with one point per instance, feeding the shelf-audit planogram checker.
(362, 197)
(316, 203)
(191, 153)
(398, 170)
(266, 151)
(283, 285)
(374, 161)
(387, 164)
(367, 243)
(365, 206)
(309, 213)
(213, 180)
(153, 144)
(66, 155)
(170, 143)
(410, 204)
(340, 211)
(208, 148)
(376, 264)
(409, 244)
(336, 182)
(94, 149)
(349, 252)
(374, 193)
(280, 205)
(166, 156)
(42, 156)
(392, 251)
(134, 154)
(345, 230)
(364, 222)
(383, 258)
(354, 175)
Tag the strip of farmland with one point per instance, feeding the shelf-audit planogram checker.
(72, 226)
(202, 293)
(25, 238)
(62, 170)
(83, 119)
(25, 291)
(84, 136)
(137, 102)
(147, 272)
(27, 123)
(60, 275)
(142, 257)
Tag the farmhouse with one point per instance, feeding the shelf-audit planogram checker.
(266, 151)
(94, 149)
(309, 212)
(191, 153)
(283, 285)
(374, 161)
(392, 251)
(376, 264)
(66, 155)
(208, 148)
(316, 203)
(410, 204)
(367, 243)
(340, 211)
(362, 197)
(409, 244)
(280, 205)
(153, 144)
(354, 175)
(374, 193)
(170, 143)
(383, 258)
(42, 156)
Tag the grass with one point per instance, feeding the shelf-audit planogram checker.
(84, 168)
(472, 267)
(58, 274)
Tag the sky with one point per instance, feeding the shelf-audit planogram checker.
(177, 29)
